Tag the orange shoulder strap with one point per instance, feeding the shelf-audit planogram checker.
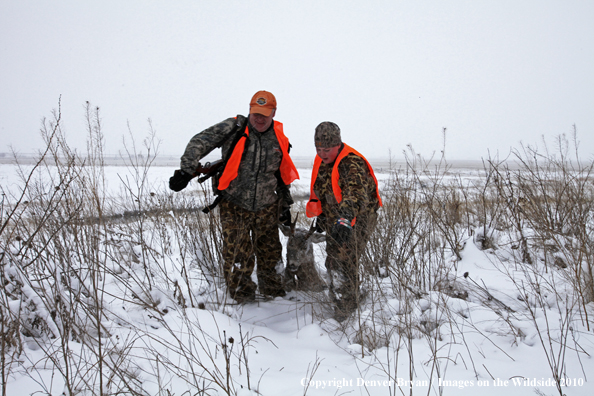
(287, 168)
(314, 206)
(336, 188)
(232, 165)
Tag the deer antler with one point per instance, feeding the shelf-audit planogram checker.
(312, 229)
(294, 224)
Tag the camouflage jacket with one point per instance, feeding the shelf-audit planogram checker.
(255, 186)
(359, 197)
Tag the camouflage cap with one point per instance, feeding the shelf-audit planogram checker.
(327, 135)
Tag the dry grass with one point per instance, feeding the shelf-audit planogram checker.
(62, 239)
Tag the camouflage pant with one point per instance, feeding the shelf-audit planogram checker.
(247, 237)
(342, 264)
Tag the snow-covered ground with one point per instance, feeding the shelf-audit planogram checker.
(493, 342)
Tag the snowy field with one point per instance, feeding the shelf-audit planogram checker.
(484, 333)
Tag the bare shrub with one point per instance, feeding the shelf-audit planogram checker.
(551, 193)
(89, 280)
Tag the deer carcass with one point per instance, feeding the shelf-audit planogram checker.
(301, 272)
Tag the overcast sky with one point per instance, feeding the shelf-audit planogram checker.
(494, 73)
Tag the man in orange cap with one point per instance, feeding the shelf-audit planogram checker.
(252, 185)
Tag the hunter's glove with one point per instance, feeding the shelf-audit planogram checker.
(284, 194)
(285, 216)
(342, 230)
(179, 180)
(286, 200)
(321, 223)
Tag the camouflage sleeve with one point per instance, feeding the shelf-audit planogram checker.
(354, 183)
(204, 142)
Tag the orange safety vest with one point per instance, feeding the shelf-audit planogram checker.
(314, 206)
(287, 168)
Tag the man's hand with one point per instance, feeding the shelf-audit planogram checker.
(284, 194)
(342, 230)
(285, 216)
(179, 180)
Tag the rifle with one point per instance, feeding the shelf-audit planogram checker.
(208, 170)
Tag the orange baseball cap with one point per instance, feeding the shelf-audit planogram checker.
(263, 102)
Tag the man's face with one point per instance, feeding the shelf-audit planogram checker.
(260, 122)
(328, 154)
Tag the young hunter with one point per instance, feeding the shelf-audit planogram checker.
(344, 197)
(257, 173)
